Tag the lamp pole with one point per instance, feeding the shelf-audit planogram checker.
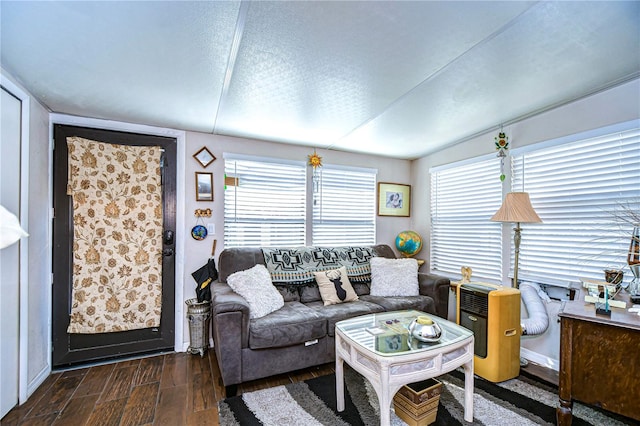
(516, 242)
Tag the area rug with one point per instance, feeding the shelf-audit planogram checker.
(519, 401)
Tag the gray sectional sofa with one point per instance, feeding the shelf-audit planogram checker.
(301, 333)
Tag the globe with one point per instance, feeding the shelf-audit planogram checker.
(409, 243)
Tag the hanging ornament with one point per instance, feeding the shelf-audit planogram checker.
(315, 160)
(502, 145)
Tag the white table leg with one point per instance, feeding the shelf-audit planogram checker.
(339, 382)
(468, 391)
(383, 397)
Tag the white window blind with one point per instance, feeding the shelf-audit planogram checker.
(264, 202)
(577, 188)
(344, 207)
(463, 199)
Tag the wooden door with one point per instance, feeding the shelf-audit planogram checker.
(69, 348)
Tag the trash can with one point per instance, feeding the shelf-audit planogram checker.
(199, 316)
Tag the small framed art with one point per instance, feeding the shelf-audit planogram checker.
(204, 157)
(204, 186)
(394, 199)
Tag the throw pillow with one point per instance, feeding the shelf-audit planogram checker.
(394, 277)
(335, 286)
(255, 286)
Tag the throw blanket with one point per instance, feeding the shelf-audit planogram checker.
(117, 236)
(296, 265)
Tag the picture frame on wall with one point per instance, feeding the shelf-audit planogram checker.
(204, 157)
(394, 199)
(204, 186)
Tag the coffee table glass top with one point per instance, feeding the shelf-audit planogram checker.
(387, 333)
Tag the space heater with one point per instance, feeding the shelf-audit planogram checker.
(493, 314)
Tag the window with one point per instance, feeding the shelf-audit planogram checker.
(464, 196)
(264, 202)
(344, 207)
(577, 185)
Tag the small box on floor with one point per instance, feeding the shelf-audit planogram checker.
(417, 403)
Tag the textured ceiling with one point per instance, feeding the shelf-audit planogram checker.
(399, 79)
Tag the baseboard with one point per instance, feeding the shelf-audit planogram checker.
(37, 381)
(185, 345)
(540, 359)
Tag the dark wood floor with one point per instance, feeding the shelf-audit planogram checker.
(172, 389)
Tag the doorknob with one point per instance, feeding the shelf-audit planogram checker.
(168, 237)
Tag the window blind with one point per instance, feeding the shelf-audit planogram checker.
(264, 202)
(344, 207)
(577, 189)
(463, 199)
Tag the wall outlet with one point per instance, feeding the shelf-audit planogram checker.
(211, 228)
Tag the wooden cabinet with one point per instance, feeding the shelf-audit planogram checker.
(599, 360)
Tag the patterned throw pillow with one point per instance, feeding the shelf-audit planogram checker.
(394, 277)
(335, 287)
(255, 286)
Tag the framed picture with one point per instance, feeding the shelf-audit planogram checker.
(394, 199)
(204, 186)
(204, 157)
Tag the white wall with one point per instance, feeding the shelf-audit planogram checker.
(39, 246)
(197, 252)
(616, 105)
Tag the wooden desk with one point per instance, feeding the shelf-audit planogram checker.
(598, 360)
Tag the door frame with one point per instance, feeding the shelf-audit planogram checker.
(180, 137)
(23, 308)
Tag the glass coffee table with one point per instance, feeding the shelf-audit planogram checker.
(379, 347)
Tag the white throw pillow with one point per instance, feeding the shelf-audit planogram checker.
(256, 287)
(394, 277)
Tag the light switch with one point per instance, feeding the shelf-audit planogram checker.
(211, 228)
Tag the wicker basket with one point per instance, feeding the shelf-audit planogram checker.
(417, 403)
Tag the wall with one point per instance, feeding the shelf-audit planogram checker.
(197, 252)
(616, 105)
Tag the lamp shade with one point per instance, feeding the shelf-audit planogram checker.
(10, 230)
(516, 207)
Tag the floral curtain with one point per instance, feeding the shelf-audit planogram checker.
(117, 236)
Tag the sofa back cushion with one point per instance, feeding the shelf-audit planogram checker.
(238, 259)
(242, 258)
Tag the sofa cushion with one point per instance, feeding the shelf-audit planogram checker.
(255, 286)
(394, 277)
(335, 287)
(310, 293)
(361, 288)
(289, 293)
(397, 303)
(295, 323)
(343, 311)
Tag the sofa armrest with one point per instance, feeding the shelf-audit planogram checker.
(230, 329)
(437, 287)
(223, 299)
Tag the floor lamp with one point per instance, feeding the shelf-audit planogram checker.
(516, 207)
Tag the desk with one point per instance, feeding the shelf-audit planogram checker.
(598, 360)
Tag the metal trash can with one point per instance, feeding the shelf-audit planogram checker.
(199, 316)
